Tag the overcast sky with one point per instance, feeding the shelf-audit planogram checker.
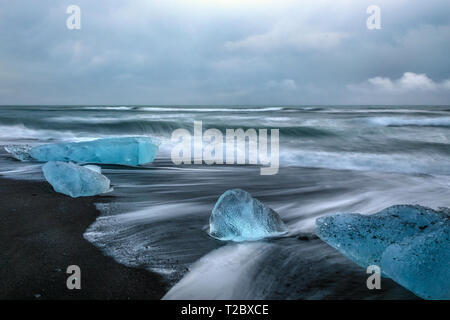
(225, 52)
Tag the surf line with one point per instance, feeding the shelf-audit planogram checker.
(239, 146)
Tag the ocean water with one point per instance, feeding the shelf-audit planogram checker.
(332, 159)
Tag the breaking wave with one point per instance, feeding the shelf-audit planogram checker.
(413, 122)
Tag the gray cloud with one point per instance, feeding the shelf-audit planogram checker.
(223, 52)
(409, 82)
(409, 87)
(287, 36)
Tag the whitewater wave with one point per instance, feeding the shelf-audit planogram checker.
(404, 121)
(21, 132)
(290, 155)
(187, 109)
(120, 108)
(164, 126)
(24, 134)
(400, 163)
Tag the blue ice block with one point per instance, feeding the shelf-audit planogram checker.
(410, 243)
(19, 152)
(237, 216)
(130, 151)
(421, 264)
(74, 180)
(363, 238)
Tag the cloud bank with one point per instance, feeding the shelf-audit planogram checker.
(410, 81)
(224, 52)
(409, 85)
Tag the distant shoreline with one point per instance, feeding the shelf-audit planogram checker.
(41, 234)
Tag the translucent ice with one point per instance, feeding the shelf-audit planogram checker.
(93, 168)
(410, 243)
(363, 238)
(74, 180)
(239, 217)
(20, 152)
(421, 264)
(123, 150)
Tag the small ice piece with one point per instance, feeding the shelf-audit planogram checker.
(421, 264)
(237, 216)
(363, 238)
(130, 151)
(74, 180)
(20, 151)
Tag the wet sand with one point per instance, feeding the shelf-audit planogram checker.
(41, 234)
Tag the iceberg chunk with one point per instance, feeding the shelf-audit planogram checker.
(74, 180)
(237, 216)
(123, 150)
(93, 168)
(411, 244)
(19, 152)
(363, 238)
(421, 264)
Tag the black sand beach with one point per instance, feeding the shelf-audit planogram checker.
(41, 234)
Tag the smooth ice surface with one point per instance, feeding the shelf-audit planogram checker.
(421, 264)
(93, 168)
(123, 150)
(363, 238)
(74, 180)
(237, 216)
(410, 244)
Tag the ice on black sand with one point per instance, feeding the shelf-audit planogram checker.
(121, 150)
(237, 216)
(411, 244)
(74, 180)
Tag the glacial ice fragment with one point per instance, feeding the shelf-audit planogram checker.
(421, 264)
(19, 152)
(93, 168)
(122, 150)
(74, 180)
(237, 216)
(410, 243)
(363, 238)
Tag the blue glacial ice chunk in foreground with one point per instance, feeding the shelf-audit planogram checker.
(237, 216)
(363, 238)
(123, 150)
(421, 264)
(410, 243)
(74, 180)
